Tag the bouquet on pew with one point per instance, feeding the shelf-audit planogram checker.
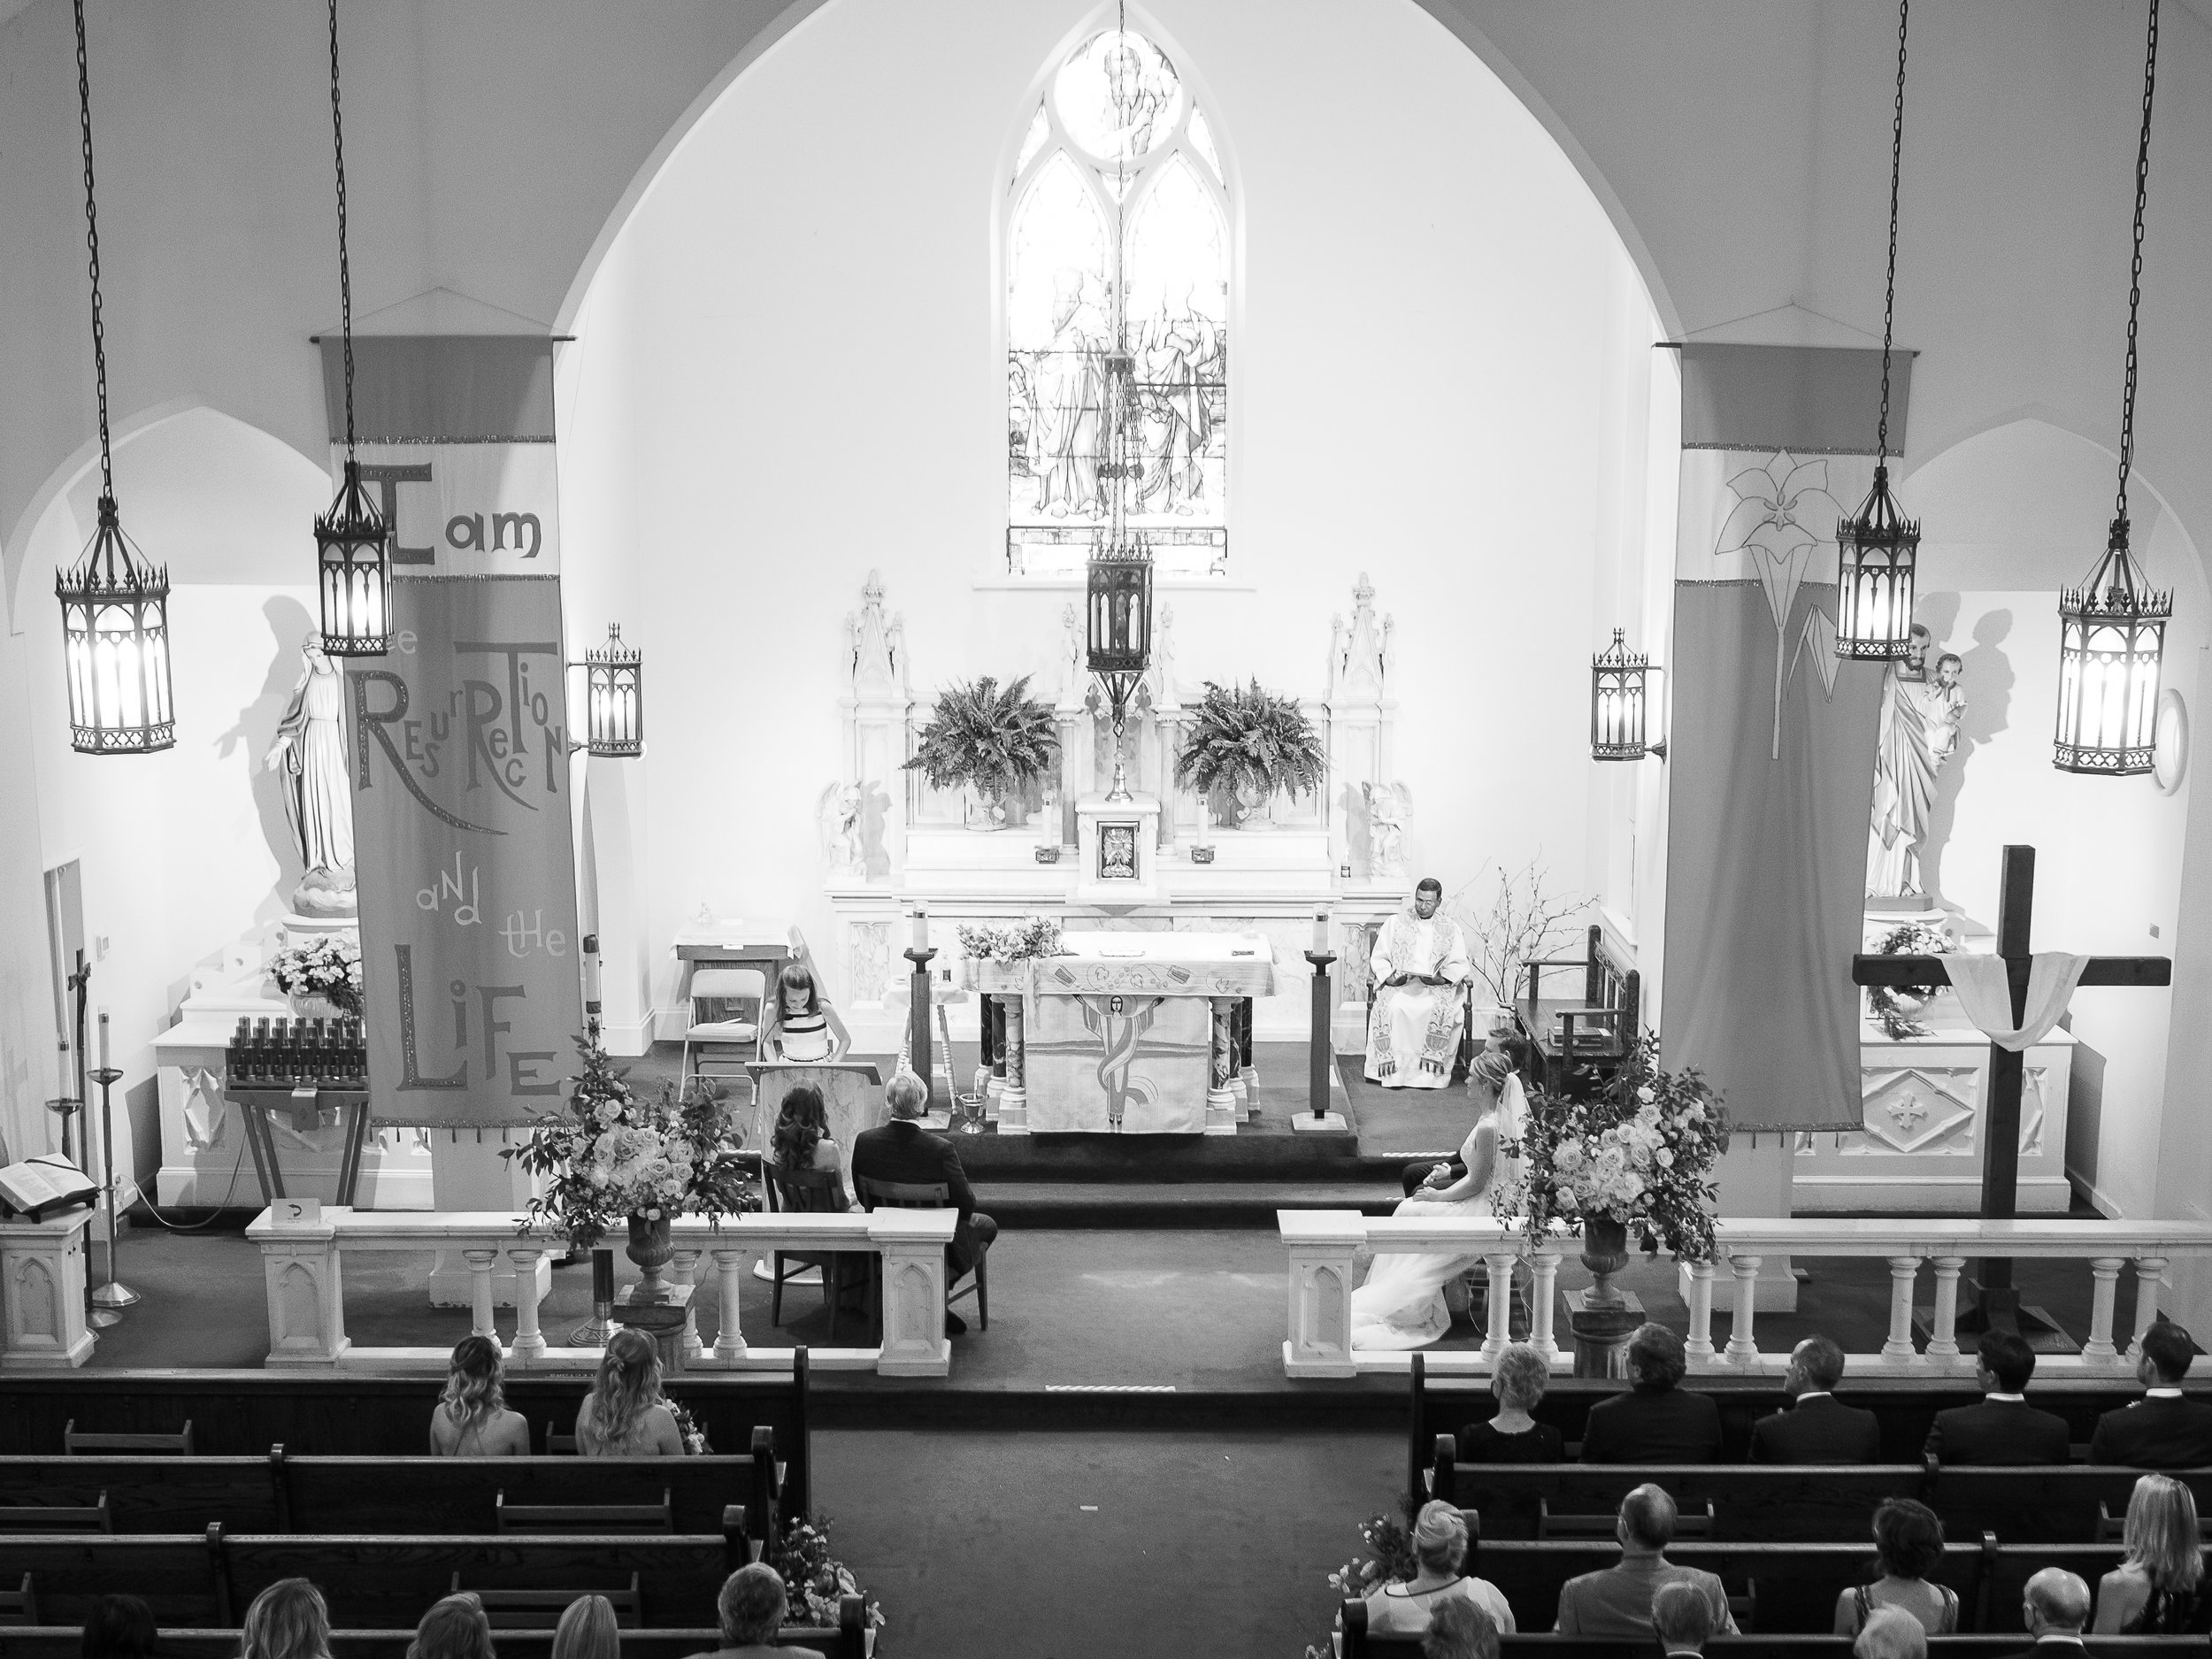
(610, 1154)
(1640, 1152)
(1390, 1538)
(814, 1580)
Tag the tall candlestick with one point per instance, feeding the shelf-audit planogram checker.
(921, 928)
(103, 1040)
(1321, 932)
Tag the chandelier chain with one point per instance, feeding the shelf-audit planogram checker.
(1889, 292)
(345, 269)
(92, 242)
(2135, 273)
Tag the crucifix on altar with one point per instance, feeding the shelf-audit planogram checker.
(2002, 1011)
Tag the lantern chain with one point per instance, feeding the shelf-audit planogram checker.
(2135, 273)
(1889, 293)
(345, 269)
(92, 242)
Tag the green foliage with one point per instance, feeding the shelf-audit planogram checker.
(996, 741)
(1246, 738)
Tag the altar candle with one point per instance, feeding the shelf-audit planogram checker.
(103, 1040)
(921, 928)
(1321, 932)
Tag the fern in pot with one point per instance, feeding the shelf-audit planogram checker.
(1249, 744)
(995, 741)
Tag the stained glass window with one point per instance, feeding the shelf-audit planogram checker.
(1117, 244)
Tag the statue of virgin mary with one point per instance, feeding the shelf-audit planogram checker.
(309, 756)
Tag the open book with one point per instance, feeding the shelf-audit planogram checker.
(39, 1186)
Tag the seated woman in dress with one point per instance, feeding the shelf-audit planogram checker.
(472, 1419)
(624, 1414)
(1440, 1546)
(801, 1140)
(798, 1030)
(1907, 1546)
(1512, 1436)
(2158, 1590)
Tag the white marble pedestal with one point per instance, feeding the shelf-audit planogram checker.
(42, 1292)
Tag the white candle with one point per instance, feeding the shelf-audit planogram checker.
(1321, 932)
(103, 1040)
(921, 928)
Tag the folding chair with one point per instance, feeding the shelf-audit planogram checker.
(720, 1041)
(922, 1196)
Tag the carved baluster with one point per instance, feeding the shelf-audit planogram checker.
(686, 1264)
(481, 1292)
(1013, 1100)
(529, 1341)
(1221, 1099)
(1943, 1330)
(1542, 1298)
(1501, 1332)
(1701, 1343)
(729, 1268)
(1742, 1350)
(2150, 1273)
(1904, 1271)
(2104, 1295)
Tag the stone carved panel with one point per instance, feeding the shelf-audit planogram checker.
(37, 1305)
(868, 963)
(1928, 1111)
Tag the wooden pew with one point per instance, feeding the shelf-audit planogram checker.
(207, 1581)
(1359, 1645)
(66, 1642)
(242, 1413)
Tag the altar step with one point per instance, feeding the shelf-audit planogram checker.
(1172, 1205)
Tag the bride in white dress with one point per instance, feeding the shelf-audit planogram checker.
(1402, 1305)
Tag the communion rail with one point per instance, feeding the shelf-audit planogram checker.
(1321, 1243)
(303, 1265)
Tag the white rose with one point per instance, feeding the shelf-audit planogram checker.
(1647, 1094)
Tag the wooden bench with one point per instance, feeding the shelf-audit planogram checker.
(237, 1416)
(208, 1580)
(1359, 1645)
(66, 1642)
(1593, 1029)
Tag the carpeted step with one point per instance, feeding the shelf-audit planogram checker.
(1174, 1205)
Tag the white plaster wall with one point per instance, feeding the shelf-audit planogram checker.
(1442, 378)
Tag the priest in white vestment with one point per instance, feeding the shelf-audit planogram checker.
(1421, 966)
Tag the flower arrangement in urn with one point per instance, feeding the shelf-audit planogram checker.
(814, 1580)
(1639, 1153)
(611, 1158)
(328, 967)
(1252, 743)
(997, 741)
(1898, 1007)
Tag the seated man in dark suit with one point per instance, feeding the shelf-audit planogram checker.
(1657, 1423)
(1818, 1428)
(902, 1150)
(2162, 1430)
(2055, 1609)
(2004, 1428)
(1615, 1604)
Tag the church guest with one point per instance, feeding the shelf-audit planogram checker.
(587, 1630)
(2158, 1590)
(1657, 1422)
(1512, 1436)
(2161, 1430)
(472, 1419)
(798, 1030)
(454, 1628)
(904, 1152)
(750, 1611)
(288, 1620)
(1459, 1629)
(120, 1627)
(1907, 1546)
(2055, 1609)
(1818, 1428)
(1615, 1604)
(1439, 1545)
(802, 1139)
(1891, 1634)
(624, 1414)
(1684, 1619)
(1420, 966)
(2004, 1428)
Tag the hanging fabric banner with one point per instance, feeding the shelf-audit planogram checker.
(1771, 737)
(459, 740)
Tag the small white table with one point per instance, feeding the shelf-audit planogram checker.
(42, 1292)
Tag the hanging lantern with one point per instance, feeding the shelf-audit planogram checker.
(1620, 704)
(2112, 629)
(614, 699)
(115, 644)
(2112, 632)
(1876, 550)
(353, 561)
(1118, 635)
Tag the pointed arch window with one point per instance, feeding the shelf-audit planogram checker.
(1118, 242)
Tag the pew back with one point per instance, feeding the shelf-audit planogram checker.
(1361, 1646)
(66, 1642)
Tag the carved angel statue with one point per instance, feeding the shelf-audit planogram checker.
(1388, 806)
(838, 813)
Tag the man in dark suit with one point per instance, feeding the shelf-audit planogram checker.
(2004, 1428)
(2055, 1609)
(902, 1150)
(1655, 1423)
(1818, 1428)
(2162, 1430)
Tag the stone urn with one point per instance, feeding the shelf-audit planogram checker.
(987, 809)
(1605, 1253)
(1256, 803)
(310, 1005)
(652, 1248)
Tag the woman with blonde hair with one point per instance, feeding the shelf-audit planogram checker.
(454, 1628)
(624, 1414)
(288, 1620)
(1402, 1608)
(1512, 1436)
(2158, 1590)
(472, 1419)
(587, 1630)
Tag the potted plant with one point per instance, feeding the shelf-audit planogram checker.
(323, 976)
(1250, 744)
(995, 741)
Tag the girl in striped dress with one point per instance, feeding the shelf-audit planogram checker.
(800, 1030)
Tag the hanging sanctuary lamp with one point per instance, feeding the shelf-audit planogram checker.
(352, 542)
(114, 605)
(2112, 629)
(614, 699)
(1878, 547)
(1118, 577)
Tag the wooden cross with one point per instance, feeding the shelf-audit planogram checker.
(2000, 1116)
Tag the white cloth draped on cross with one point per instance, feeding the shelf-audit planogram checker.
(1985, 994)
